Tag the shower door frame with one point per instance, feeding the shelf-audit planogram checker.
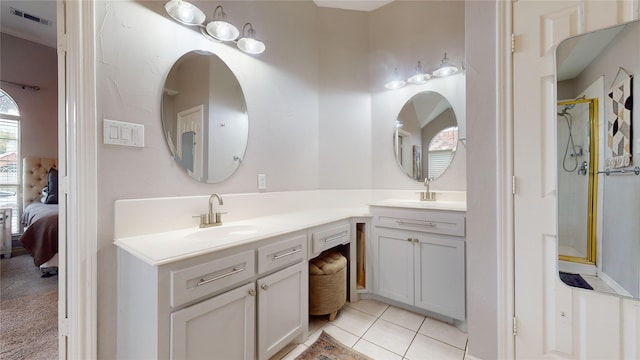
(592, 201)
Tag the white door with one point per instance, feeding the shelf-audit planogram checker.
(283, 303)
(222, 327)
(191, 120)
(393, 269)
(553, 319)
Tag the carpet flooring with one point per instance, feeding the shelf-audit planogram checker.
(28, 311)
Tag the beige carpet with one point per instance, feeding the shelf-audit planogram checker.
(28, 311)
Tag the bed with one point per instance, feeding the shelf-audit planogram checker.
(40, 212)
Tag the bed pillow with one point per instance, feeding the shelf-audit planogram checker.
(44, 193)
(52, 187)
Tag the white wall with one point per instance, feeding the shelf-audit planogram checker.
(308, 97)
(345, 103)
(400, 34)
(482, 190)
(29, 63)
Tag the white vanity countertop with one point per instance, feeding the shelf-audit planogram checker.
(417, 204)
(166, 247)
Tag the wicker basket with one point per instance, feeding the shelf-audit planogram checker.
(328, 292)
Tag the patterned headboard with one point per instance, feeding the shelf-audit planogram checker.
(34, 178)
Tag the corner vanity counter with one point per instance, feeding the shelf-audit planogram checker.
(240, 290)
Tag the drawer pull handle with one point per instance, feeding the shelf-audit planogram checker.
(335, 237)
(403, 222)
(280, 256)
(265, 287)
(204, 282)
(252, 292)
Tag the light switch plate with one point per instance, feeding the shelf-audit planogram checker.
(262, 181)
(122, 133)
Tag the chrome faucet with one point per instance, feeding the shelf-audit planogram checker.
(427, 195)
(212, 218)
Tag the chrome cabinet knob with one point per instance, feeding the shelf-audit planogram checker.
(252, 292)
(264, 287)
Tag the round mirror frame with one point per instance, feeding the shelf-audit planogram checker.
(202, 100)
(411, 135)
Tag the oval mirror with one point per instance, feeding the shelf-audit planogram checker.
(204, 117)
(426, 124)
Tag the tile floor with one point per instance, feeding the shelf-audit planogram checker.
(383, 332)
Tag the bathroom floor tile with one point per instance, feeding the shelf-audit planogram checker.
(354, 321)
(390, 336)
(424, 347)
(374, 351)
(292, 354)
(402, 317)
(337, 333)
(444, 332)
(317, 322)
(370, 306)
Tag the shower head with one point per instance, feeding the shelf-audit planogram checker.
(566, 108)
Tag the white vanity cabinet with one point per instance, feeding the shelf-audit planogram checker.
(222, 327)
(246, 302)
(282, 308)
(419, 258)
(327, 236)
(283, 296)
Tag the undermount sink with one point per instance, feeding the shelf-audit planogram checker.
(223, 231)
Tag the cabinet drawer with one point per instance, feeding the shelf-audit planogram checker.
(324, 238)
(437, 223)
(200, 280)
(289, 250)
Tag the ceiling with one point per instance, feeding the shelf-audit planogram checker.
(26, 28)
(573, 55)
(361, 5)
(37, 23)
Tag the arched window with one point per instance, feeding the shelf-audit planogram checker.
(442, 148)
(9, 157)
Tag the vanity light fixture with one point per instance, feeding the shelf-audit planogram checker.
(184, 12)
(396, 82)
(419, 77)
(445, 68)
(219, 28)
(248, 42)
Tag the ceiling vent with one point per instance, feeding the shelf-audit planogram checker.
(37, 19)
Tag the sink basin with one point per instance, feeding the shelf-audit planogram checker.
(222, 231)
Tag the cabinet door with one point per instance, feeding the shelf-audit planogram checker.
(440, 275)
(393, 270)
(222, 327)
(283, 307)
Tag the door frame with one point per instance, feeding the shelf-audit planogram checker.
(505, 186)
(77, 147)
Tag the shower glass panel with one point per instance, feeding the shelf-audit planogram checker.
(576, 159)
